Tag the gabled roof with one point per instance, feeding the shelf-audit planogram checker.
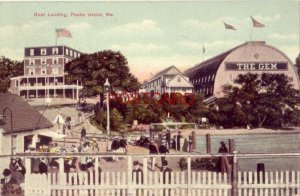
(24, 116)
(184, 83)
(172, 70)
(213, 63)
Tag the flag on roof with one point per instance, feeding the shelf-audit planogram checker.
(63, 33)
(256, 24)
(228, 26)
(203, 50)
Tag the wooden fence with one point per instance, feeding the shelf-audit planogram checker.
(180, 183)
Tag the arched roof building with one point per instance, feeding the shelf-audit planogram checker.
(209, 76)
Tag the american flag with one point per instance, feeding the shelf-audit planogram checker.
(63, 33)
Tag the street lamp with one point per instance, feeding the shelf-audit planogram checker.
(106, 89)
(11, 128)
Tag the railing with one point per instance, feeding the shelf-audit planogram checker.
(81, 119)
(189, 182)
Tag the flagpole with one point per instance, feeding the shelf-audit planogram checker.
(251, 30)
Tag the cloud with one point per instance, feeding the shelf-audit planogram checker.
(139, 48)
(145, 28)
(196, 23)
(82, 26)
(283, 37)
(265, 19)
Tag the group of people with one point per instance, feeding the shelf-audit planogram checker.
(118, 145)
(13, 177)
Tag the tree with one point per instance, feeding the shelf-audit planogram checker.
(93, 69)
(9, 68)
(266, 100)
(116, 119)
(297, 65)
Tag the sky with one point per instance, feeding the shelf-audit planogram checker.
(151, 35)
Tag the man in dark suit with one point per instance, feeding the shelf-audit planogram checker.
(179, 136)
(138, 173)
(153, 150)
(8, 179)
(168, 139)
(163, 150)
(166, 176)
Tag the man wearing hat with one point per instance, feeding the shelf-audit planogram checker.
(137, 176)
(8, 179)
(166, 176)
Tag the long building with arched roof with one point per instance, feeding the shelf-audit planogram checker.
(209, 76)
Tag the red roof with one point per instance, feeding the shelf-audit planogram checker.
(24, 116)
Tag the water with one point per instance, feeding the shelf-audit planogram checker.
(259, 143)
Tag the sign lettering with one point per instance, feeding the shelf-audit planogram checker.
(263, 66)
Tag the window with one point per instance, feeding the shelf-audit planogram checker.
(31, 61)
(54, 50)
(71, 52)
(67, 51)
(43, 51)
(43, 61)
(43, 71)
(212, 77)
(31, 52)
(54, 70)
(67, 60)
(55, 61)
(78, 55)
(178, 79)
(31, 71)
(14, 143)
(75, 54)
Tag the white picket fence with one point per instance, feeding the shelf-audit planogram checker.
(119, 183)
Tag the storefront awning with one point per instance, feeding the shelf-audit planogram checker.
(52, 134)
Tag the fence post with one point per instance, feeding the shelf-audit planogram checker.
(231, 145)
(145, 170)
(129, 175)
(61, 174)
(189, 175)
(208, 144)
(234, 189)
(27, 176)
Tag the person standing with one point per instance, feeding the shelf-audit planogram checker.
(174, 142)
(83, 133)
(8, 179)
(115, 145)
(179, 136)
(163, 150)
(153, 150)
(223, 160)
(168, 139)
(166, 176)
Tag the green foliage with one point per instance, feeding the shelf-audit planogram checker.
(266, 100)
(8, 69)
(116, 119)
(93, 69)
(209, 164)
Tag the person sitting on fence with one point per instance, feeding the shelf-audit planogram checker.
(8, 179)
(222, 164)
(163, 150)
(94, 145)
(153, 150)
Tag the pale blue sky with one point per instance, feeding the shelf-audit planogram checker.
(152, 35)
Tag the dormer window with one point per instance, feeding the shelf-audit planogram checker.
(31, 52)
(54, 50)
(43, 51)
